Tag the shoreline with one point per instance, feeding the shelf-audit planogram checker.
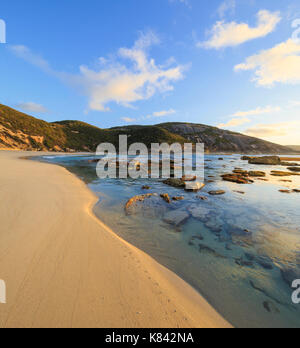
(62, 273)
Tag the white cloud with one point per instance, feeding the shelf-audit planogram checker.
(164, 113)
(258, 111)
(241, 117)
(280, 64)
(126, 85)
(235, 122)
(128, 119)
(133, 76)
(226, 6)
(32, 107)
(233, 34)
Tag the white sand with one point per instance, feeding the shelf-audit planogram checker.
(64, 268)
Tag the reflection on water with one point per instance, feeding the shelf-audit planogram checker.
(240, 250)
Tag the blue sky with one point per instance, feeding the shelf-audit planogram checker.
(233, 64)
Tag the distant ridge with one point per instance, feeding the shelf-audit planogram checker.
(23, 132)
(294, 147)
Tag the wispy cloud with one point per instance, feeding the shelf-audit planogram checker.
(156, 114)
(163, 113)
(129, 77)
(185, 2)
(225, 7)
(30, 57)
(283, 129)
(233, 34)
(241, 117)
(280, 64)
(32, 107)
(258, 111)
(128, 119)
(235, 122)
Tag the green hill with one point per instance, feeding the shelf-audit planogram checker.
(20, 131)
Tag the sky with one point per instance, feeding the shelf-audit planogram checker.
(234, 64)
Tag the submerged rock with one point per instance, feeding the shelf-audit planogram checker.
(268, 160)
(203, 198)
(148, 205)
(214, 224)
(199, 212)
(270, 307)
(264, 262)
(289, 274)
(206, 249)
(176, 217)
(243, 263)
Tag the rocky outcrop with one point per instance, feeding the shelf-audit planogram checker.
(294, 169)
(219, 140)
(266, 160)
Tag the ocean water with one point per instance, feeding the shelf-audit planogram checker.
(236, 253)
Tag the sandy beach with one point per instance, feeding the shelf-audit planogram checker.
(64, 268)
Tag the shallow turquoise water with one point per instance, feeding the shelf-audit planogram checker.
(246, 239)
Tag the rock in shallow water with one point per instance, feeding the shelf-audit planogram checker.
(294, 169)
(199, 212)
(178, 198)
(217, 193)
(148, 205)
(257, 174)
(236, 178)
(194, 186)
(178, 183)
(166, 197)
(206, 249)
